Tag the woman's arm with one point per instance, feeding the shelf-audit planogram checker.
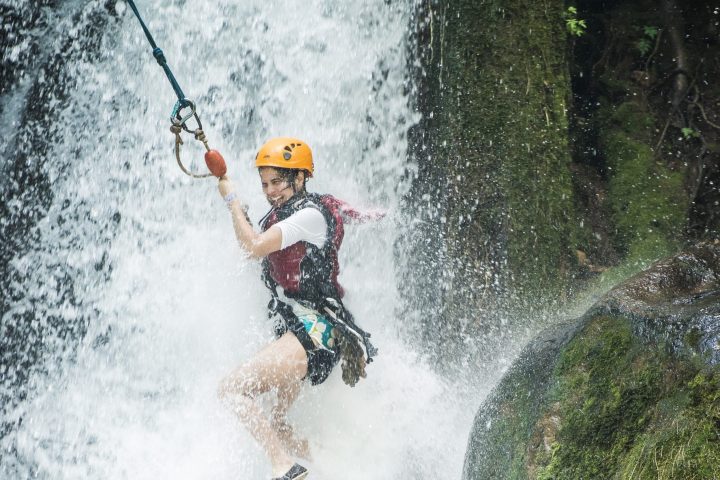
(256, 244)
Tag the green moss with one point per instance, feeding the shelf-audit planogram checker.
(505, 131)
(632, 119)
(607, 383)
(684, 438)
(498, 440)
(647, 199)
(629, 410)
(693, 338)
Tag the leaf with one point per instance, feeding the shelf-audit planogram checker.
(650, 31)
(574, 25)
(643, 45)
(689, 133)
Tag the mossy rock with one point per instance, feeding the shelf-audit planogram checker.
(630, 390)
(648, 201)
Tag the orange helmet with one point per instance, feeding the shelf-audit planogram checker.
(285, 152)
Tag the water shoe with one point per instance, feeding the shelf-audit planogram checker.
(297, 472)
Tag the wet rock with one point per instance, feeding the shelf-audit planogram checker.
(629, 390)
(37, 93)
(677, 300)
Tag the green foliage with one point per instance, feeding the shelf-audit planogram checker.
(575, 26)
(647, 199)
(644, 44)
(689, 133)
(650, 32)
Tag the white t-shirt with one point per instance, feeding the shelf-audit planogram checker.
(306, 225)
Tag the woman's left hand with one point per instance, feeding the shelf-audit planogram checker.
(225, 187)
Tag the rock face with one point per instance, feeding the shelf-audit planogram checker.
(630, 390)
(43, 44)
(485, 221)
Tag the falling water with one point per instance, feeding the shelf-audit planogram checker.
(144, 259)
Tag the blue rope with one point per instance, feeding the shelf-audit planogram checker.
(160, 57)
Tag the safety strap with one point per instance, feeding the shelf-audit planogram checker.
(213, 158)
(337, 313)
(344, 320)
(160, 57)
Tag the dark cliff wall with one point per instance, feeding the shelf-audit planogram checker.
(493, 194)
(646, 124)
(552, 151)
(37, 77)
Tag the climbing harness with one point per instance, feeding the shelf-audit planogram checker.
(213, 158)
(307, 275)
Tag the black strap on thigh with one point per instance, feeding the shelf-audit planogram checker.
(290, 322)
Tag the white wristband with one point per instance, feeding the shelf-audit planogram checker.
(230, 197)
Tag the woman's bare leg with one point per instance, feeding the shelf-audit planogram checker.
(281, 365)
(295, 445)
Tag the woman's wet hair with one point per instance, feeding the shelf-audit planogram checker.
(289, 175)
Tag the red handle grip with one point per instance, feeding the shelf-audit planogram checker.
(215, 163)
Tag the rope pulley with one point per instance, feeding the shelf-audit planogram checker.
(213, 158)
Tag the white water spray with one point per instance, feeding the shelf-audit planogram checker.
(181, 306)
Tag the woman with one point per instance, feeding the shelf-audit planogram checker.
(299, 241)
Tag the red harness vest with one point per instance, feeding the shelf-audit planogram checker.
(306, 272)
(303, 270)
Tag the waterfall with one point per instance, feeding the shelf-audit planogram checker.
(127, 298)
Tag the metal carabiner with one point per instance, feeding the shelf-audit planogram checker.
(178, 119)
(213, 159)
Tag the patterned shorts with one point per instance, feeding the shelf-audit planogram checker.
(311, 325)
(320, 330)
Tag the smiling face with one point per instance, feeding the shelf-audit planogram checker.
(277, 185)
